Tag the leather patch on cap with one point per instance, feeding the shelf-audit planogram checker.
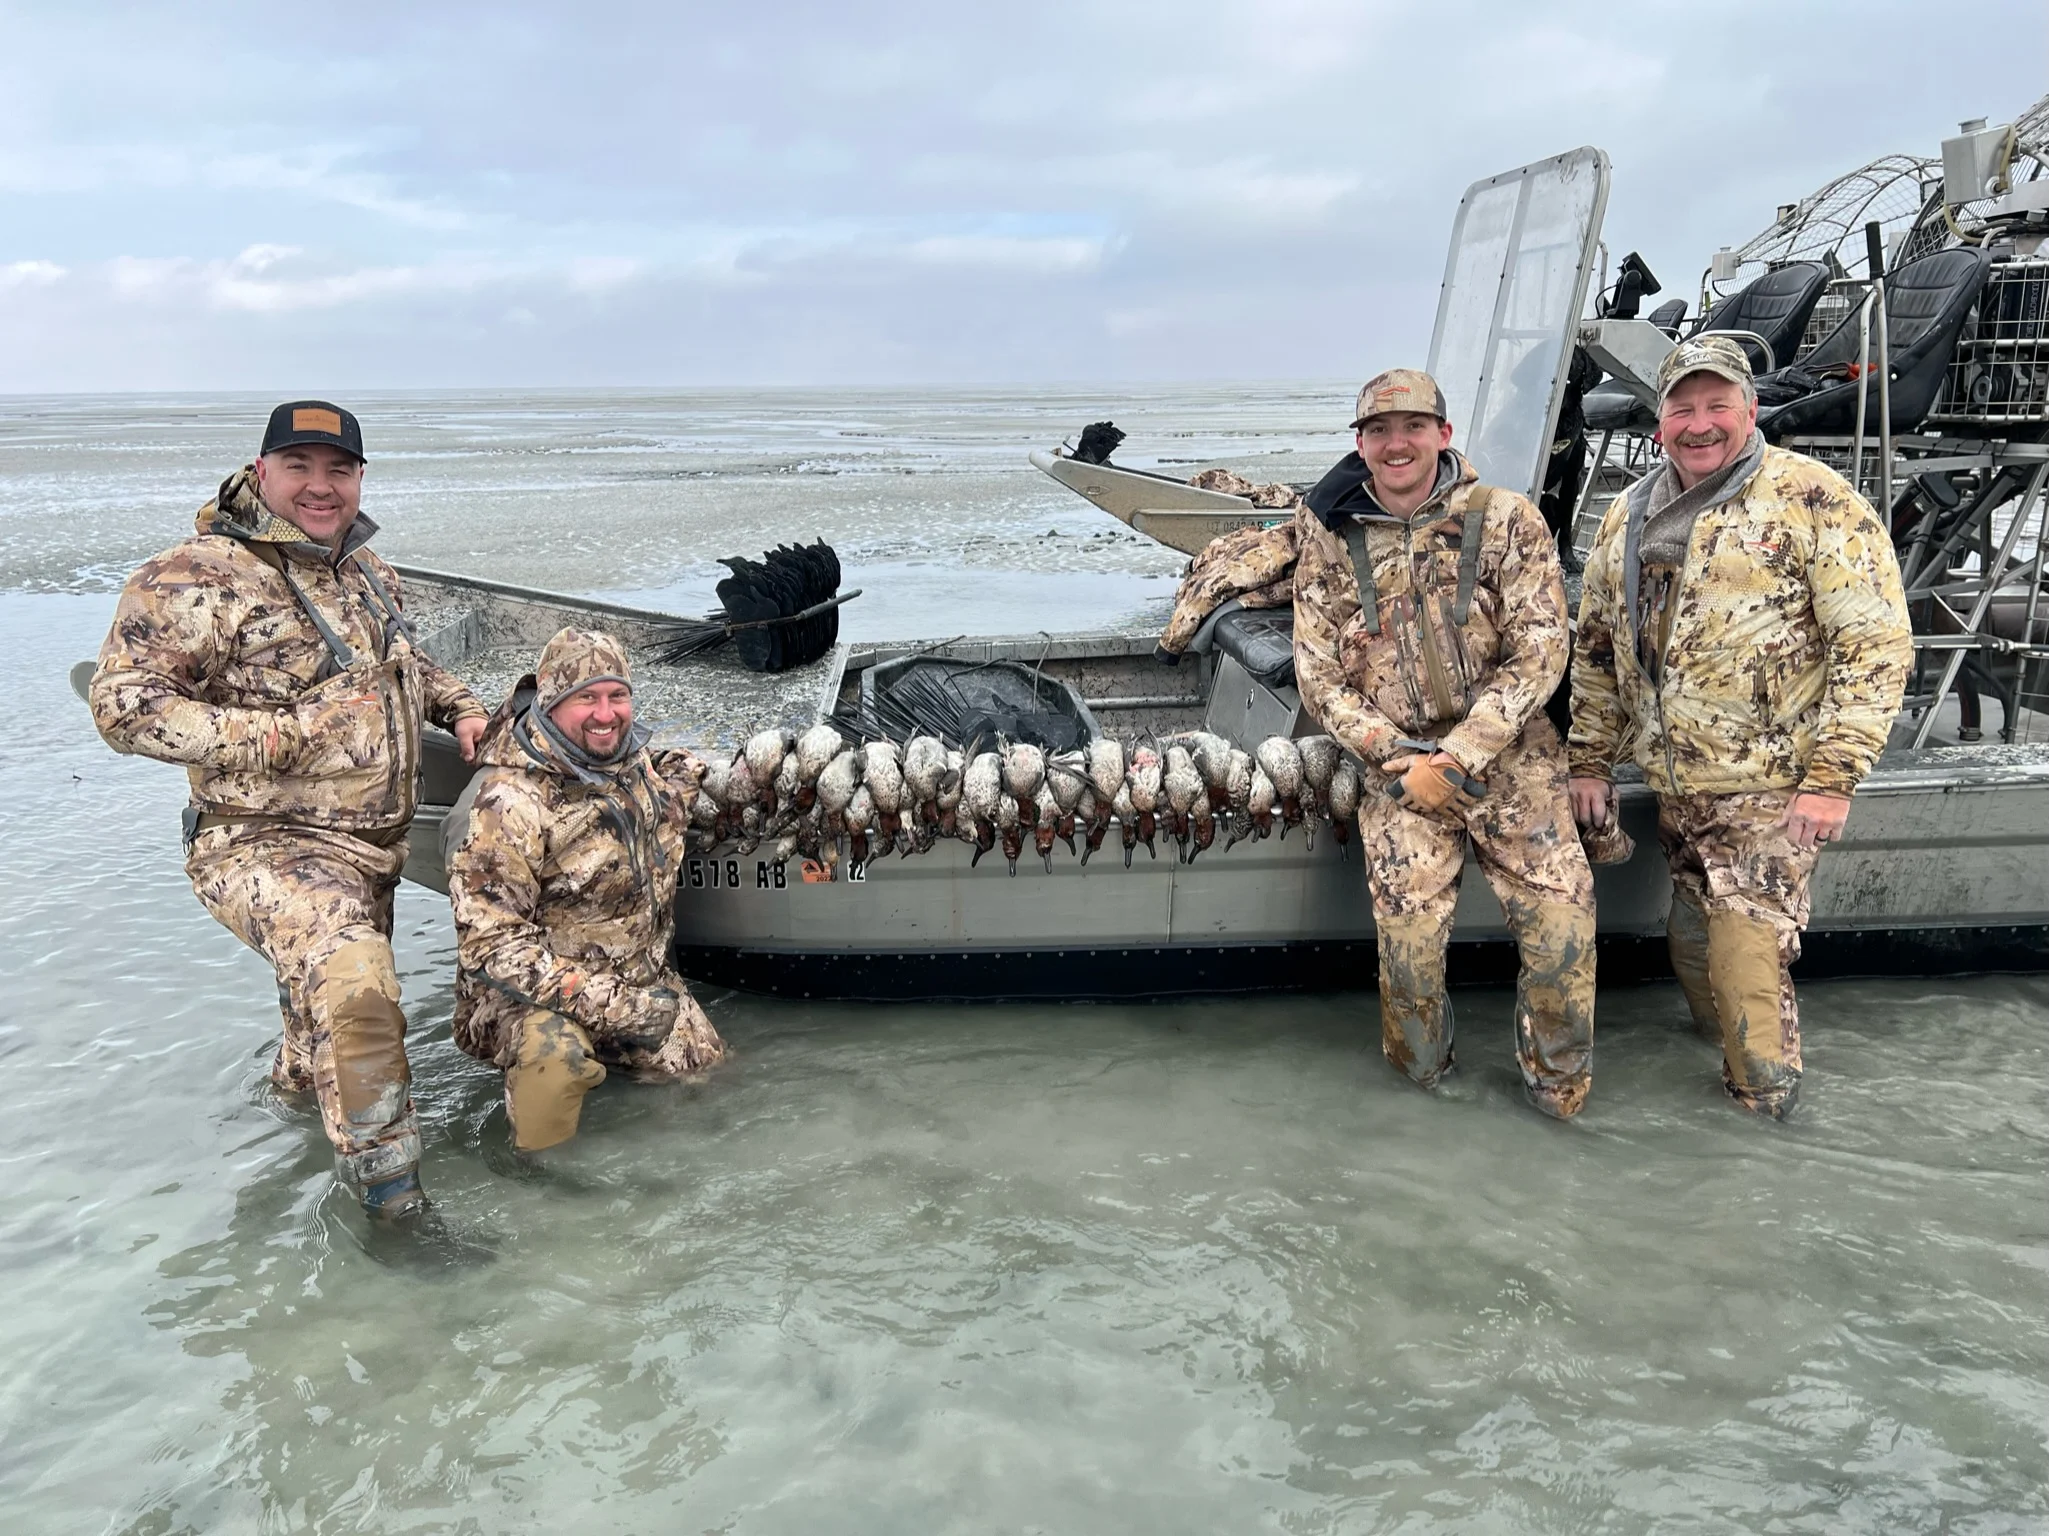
(317, 421)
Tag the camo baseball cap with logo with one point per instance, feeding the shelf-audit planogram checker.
(1398, 389)
(312, 421)
(1719, 355)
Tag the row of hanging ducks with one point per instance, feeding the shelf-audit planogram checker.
(821, 797)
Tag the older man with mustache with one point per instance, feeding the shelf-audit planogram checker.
(1743, 636)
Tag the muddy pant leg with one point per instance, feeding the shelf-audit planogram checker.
(692, 1045)
(1686, 932)
(1750, 963)
(292, 1070)
(553, 1067)
(1554, 1002)
(317, 906)
(1753, 888)
(1415, 1009)
(1412, 868)
(1532, 857)
(1686, 938)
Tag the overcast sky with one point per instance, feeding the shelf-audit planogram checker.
(218, 196)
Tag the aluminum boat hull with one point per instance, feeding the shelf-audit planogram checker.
(1944, 868)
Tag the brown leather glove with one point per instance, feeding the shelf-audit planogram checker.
(1426, 786)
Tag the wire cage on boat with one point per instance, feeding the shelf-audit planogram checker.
(1828, 226)
(2000, 374)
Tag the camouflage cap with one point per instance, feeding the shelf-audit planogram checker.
(574, 659)
(1399, 389)
(1719, 355)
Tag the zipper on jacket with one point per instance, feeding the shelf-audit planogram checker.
(1405, 655)
(1445, 709)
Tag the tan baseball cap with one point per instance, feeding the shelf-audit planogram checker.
(1719, 355)
(1399, 389)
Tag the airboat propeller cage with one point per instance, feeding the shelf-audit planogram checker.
(1515, 283)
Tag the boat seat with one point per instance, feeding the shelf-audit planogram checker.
(1776, 306)
(1611, 406)
(1262, 641)
(1927, 302)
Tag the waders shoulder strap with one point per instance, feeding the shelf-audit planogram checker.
(1469, 551)
(338, 650)
(393, 616)
(1362, 571)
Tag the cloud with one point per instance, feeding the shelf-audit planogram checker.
(809, 192)
(261, 279)
(319, 173)
(1006, 252)
(30, 274)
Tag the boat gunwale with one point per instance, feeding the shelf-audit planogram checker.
(1951, 769)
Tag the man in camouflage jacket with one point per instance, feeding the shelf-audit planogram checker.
(564, 888)
(269, 655)
(1744, 639)
(1434, 669)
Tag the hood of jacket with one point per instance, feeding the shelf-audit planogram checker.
(238, 511)
(1346, 490)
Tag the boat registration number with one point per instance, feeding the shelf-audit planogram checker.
(732, 874)
(761, 874)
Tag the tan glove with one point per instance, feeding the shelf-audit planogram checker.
(1425, 784)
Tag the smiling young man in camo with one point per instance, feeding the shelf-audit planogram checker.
(1430, 630)
(1744, 639)
(269, 655)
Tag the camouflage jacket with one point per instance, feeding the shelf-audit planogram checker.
(212, 662)
(564, 889)
(1471, 688)
(1787, 650)
(1253, 564)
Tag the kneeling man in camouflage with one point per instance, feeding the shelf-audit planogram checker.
(564, 887)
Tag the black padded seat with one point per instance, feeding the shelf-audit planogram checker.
(1927, 303)
(1610, 406)
(1669, 316)
(1262, 641)
(1776, 306)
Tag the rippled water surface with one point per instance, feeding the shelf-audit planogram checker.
(1201, 1267)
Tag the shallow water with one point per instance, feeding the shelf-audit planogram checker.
(1201, 1267)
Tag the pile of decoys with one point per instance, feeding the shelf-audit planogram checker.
(823, 797)
(780, 611)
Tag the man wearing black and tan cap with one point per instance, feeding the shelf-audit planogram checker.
(1430, 629)
(269, 656)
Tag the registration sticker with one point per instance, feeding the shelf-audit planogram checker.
(816, 872)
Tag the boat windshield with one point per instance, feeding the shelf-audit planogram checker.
(1515, 281)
